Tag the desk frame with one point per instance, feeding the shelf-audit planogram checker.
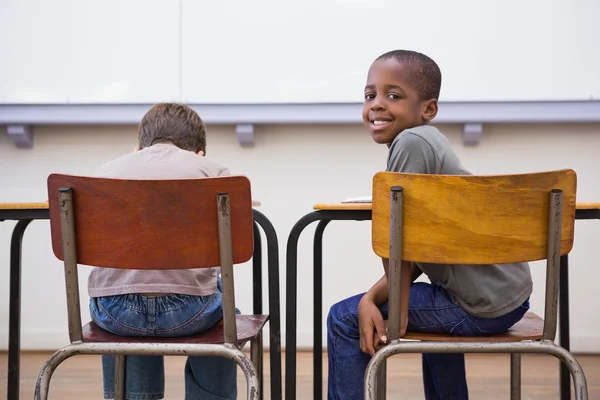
(24, 216)
(362, 212)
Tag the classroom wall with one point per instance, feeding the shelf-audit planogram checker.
(291, 168)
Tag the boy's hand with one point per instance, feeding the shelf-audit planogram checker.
(378, 343)
(371, 326)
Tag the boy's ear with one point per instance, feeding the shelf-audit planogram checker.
(200, 153)
(430, 109)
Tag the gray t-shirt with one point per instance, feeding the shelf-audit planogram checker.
(160, 161)
(484, 291)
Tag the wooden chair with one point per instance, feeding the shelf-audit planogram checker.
(473, 220)
(154, 224)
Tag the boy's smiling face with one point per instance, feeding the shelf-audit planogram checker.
(392, 103)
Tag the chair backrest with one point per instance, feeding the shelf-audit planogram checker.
(450, 219)
(152, 224)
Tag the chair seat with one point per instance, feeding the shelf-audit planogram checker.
(530, 327)
(248, 328)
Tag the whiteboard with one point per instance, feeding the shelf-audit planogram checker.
(84, 51)
(312, 51)
(284, 51)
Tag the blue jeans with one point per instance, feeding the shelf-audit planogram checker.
(210, 378)
(431, 309)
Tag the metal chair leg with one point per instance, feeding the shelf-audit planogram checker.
(42, 385)
(381, 391)
(515, 376)
(152, 349)
(120, 367)
(579, 380)
(544, 346)
(256, 355)
(372, 380)
(252, 377)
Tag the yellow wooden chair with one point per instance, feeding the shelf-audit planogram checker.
(473, 220)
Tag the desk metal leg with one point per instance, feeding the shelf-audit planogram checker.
(274, 304)
(565, 339)
(257, 284)
(291, 304)
(292, 286)
(257, 272)
(14, 325)
(318, 311)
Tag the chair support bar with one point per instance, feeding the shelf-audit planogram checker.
(553, 263)
(224, 216)
(67, 228)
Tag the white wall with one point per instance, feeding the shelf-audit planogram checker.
(291, 168)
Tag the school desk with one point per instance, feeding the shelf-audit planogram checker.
(24, 213)
(325, 213)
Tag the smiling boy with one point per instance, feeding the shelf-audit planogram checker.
(401, 98)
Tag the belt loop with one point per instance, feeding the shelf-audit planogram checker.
(151, 309)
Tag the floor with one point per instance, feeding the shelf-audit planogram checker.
(488, 377)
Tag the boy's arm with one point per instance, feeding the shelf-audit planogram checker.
(412, 154)
(370, 320)
(415, 272)
(371, 326)
(378, 293)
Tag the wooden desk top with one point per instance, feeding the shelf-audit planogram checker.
(367, 206)
(321, 206)
(24, 206)
(44, 206)
(588, 206)
(343, 206)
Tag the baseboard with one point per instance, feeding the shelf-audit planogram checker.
(41, 341)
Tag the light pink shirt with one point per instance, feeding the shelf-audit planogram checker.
(160, 161)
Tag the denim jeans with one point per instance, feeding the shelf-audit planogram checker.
(431, 309)
(206, 378)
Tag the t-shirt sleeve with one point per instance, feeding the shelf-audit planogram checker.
(411, 154)
(103, 171)
(224, 172)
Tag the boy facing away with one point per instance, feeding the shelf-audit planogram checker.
(165, 303)
(401, 98)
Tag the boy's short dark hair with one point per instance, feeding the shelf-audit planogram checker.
(426, 74)
(173, 123)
